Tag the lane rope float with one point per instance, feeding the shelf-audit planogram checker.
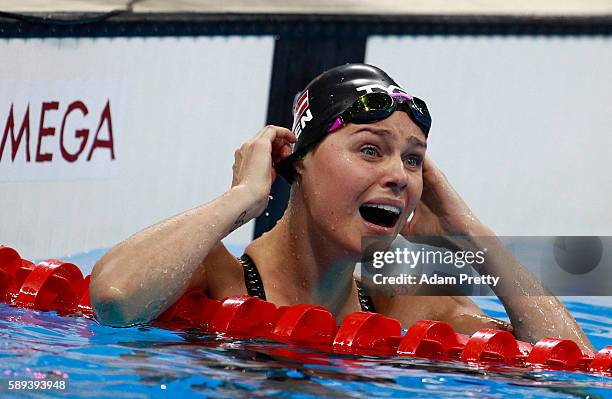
(60, 286)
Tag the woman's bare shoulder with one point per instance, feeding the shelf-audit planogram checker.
(459, 311)
(223, 275)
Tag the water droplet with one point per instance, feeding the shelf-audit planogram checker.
(116, 290)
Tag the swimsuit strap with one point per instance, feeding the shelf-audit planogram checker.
(252, 279)
(254, 284)
(367, 305)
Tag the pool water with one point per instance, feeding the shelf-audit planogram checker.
(149, 361)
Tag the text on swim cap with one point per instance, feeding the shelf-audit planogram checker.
(389, 89)
(302, 114)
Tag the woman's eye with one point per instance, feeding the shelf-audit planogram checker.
(413, 162)
(369, 151)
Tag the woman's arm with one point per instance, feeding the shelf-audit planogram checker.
(142, 276)
(534, 312)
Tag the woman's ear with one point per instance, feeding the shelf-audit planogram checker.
(299, 166)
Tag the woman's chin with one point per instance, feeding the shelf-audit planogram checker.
(353, 243)
(350, 243)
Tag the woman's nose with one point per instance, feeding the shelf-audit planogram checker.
(396, 176)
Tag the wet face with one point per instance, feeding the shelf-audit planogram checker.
(364, 180)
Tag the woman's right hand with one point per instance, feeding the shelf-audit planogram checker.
(255, 160)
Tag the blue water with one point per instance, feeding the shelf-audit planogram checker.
(148, 361)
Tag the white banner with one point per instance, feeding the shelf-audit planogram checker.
(177, 109)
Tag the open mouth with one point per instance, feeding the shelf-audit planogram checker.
(381, 215)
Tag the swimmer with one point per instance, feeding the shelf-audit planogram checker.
(356, 160)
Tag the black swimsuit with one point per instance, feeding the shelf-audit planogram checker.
(255, 287)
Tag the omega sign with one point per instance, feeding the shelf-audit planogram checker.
(15, 139)
(56, 139)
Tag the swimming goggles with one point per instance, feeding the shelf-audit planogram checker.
(372, 107)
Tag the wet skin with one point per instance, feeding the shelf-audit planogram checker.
(319, 237)
(309, 256)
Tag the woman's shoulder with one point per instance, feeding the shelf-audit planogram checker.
(459, 311)
(224, 273)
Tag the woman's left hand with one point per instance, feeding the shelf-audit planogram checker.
(441, 211)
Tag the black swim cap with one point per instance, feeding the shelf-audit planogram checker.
(324, 99)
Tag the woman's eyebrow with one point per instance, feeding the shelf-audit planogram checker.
(376, 131)
(413, 141)
(417, 142)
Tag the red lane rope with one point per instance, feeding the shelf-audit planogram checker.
(57, 285)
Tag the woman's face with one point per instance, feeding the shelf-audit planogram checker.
(364, 179)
